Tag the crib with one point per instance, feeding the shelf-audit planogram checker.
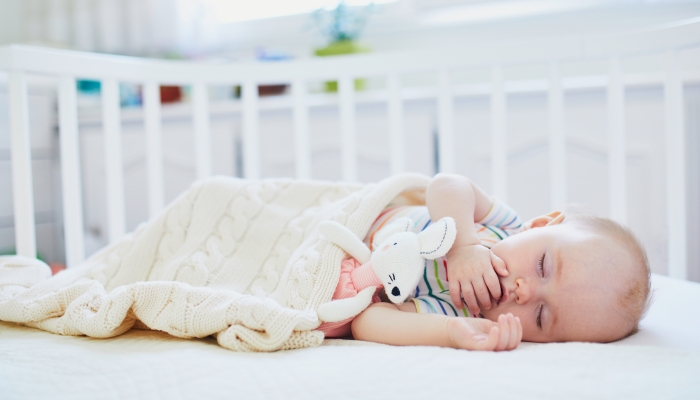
(668, 42)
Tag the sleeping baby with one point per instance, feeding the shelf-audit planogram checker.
(556, 278)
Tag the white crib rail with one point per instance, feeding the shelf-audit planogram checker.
(70, 160)
(557, 139)
(111, 121)
(154, 148)
(499, 148)
(22, 192)
(68, 65)
(675, 169)
(616, 144)
(202, 135)
(302, 141)
(251, 141)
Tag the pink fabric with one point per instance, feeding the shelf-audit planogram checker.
(353, 278)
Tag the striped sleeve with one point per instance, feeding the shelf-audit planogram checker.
(433, 305)
(502, 218)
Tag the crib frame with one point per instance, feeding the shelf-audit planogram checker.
(67, 66)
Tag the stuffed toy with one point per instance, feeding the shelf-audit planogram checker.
(397, 262)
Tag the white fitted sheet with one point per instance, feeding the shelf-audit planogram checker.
(661, 361)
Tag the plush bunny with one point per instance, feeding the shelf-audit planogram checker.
(398, 260)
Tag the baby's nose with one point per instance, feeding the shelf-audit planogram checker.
(523, 291)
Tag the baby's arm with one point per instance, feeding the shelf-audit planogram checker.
(470, 265)
(397, 325)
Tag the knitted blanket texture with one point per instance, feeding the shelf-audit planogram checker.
(238, 259)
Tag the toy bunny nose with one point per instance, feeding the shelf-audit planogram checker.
(395, 291)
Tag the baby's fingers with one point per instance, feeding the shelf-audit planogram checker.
(494, 285)
(516, 332)
(489, 342)
(470, 298)
(482, 293)
(456, 293)
(504, 328)
(498, 265)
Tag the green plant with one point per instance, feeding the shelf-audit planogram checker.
(343, 23)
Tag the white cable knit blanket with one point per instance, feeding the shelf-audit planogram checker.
(241, 260)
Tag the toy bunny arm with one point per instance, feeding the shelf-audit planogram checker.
(338, 310)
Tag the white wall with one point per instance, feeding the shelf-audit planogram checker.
(692, 120)
(158, 27)
(10, 21)
(398, 26)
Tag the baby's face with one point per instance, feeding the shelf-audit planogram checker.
(564, 284)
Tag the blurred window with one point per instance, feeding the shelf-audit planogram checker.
(234, 11)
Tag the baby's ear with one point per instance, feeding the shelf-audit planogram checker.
(553, 218)
(437, 239)
(400, 225)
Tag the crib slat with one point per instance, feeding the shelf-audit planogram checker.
(499, 148)
(346, 90)
(251, 144)
(675, 169)
(396, 134)
(617, 147)
(22, 188)
(202, 130)
(111, 116)
(446, 150)
(70, 172)
(154, 147)
(557, 139)
(302, 143)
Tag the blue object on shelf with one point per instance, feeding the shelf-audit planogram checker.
(88, 87)
(129, 95)
(266, 55)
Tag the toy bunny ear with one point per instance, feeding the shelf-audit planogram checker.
(437, 239)
(400, 225)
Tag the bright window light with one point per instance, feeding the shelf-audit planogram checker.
(494, 10)
(237, 10)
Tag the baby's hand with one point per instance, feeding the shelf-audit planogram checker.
(482, 334)
(472, 278)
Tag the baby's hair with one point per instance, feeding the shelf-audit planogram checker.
(636, 300)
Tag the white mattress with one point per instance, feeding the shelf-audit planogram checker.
(661, 361)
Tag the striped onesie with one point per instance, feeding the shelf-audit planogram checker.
(432, 293)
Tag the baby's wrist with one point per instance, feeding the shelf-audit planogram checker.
(452, 329)
(449, 329)
(461, 246)
(466, 239)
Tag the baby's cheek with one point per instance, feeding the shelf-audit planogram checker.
(527, 319)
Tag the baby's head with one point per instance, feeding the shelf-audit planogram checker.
(573, 278)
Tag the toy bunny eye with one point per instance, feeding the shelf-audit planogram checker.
(395, 291)
(394, 243)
